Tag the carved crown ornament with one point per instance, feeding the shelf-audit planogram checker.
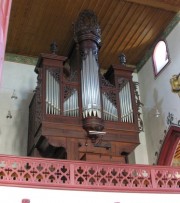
(175, 84)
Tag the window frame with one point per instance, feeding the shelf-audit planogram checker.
(155, 68)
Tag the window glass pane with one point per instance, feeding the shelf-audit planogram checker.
(160, 56)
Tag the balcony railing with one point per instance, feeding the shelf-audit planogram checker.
(79, 175)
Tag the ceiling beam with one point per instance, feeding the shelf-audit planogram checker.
(162, 4)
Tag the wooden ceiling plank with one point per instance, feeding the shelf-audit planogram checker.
(32, 28)
(110, 37)
(111, 20)
(170, 5)
(26, 30)
(15, 9)
(162, 18)
(137, 49)
(34, 24)
(46, 26)
(127, 32)
(61, 36)
(67, 26)
(147, 37)
(80, 5)
(121, 32)
(136, 29)
(106, 13)
(102, 7)
(135, 26)
(145, 19)
(18, 13)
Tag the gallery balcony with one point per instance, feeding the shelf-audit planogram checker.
(89, 176)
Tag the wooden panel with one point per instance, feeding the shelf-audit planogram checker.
(127, 26)
(99, 157)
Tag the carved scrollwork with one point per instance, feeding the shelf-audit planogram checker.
(111, 95)
(122, 82)
(55, 73)
(38, 100)
(104, 82)
(73, 77)
(68, 91)
(139, 106)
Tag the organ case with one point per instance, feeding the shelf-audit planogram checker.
(78, 113)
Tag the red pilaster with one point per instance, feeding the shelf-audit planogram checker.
(5, 7)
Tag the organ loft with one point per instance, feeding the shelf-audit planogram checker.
(78, 113)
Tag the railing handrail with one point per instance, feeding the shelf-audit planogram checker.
(81, 175)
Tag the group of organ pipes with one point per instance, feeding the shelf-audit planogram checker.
(71, 106)
(89, 102)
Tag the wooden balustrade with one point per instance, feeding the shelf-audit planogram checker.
(79, 175)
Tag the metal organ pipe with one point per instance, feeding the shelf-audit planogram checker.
(126, 103)
(52, 94)
(109, 109)
(130, 104)
(90, 85)
(71, 107)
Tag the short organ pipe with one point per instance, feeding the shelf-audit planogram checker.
(52, 93)
(71, 107)
(109, 109)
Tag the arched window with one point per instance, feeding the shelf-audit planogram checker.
(160, 57)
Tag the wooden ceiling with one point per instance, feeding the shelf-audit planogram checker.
(128, 26)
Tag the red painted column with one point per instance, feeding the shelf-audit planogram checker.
(5, 7)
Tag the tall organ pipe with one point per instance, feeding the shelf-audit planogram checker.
(90, 86)
(87, 35)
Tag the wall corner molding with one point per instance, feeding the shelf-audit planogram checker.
(21, 59)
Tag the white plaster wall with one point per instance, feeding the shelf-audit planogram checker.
(141, 156)
(156, 93)
(14, 132)
(15, 195)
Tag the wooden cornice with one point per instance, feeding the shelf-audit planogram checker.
(162, 4)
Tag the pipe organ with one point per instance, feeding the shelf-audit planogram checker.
(77, 112)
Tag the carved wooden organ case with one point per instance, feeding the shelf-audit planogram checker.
(76, 112)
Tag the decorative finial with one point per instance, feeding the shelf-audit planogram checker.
(122, 59)
(87, 27)
(54, 47)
